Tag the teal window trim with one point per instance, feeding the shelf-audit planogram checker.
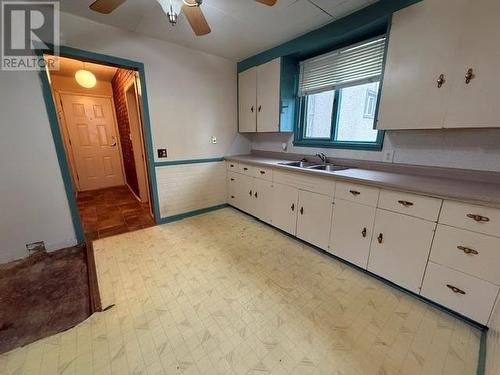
(89, 56)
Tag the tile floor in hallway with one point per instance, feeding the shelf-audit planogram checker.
(222, 293)
(112, 211)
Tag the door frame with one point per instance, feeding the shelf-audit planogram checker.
(73, 168)
(89, 56)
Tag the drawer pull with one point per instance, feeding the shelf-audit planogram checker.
(245, 168)
(354, 192)
(478, 218)
(405, 203)
(262, 172)
(468, 250)
(380, 238)
(232, 179)
(293, 207)
(231, 165)
(255, 195)
(454, 289)
(363, 232)
(250, 193)
(232, 196)
(302, 210)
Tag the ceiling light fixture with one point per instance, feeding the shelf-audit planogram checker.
(85, 78)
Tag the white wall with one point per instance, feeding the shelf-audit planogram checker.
(192, 96)
(467, 149)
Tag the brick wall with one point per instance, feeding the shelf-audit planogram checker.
(120, 81)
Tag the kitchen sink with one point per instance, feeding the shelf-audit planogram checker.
(299, 164)
(328, 167)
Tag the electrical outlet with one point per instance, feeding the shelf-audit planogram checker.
(213, 140)
(389, 156)
(162, 153)
(35, 246)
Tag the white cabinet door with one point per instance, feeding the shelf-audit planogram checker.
(234, 190)
(247, 202)
(351, 232)
(475, 104)
(268, 96)
(422, 45)
(284, 207)
(400, 248)
(247, 100)
(263, 199)
(314, 218)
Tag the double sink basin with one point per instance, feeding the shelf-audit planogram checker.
(308, 165)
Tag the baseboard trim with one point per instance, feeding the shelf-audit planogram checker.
(481, 362)
(170, 219)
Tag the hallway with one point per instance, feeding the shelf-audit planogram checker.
(112, 211)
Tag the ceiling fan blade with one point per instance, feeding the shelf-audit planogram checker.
(196, 19)
(105, 6)
(267, 2)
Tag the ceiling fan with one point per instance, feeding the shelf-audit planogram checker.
(172, 8)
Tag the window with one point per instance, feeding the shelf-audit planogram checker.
(338, 97)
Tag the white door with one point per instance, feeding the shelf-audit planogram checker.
(400, 248)
(284, 207)
(475, 104)
(314, 218)
(422, 46)
(247, 101)
(263, 199)
(351, 233)
(247, 200)
(94, 141)
(268, 96)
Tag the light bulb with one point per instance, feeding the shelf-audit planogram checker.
(85, 78)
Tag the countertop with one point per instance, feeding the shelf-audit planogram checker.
(482, 193)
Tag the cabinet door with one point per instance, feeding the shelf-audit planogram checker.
(234, 189)
(247, 203)
(314, 218)
(247, 101)
(284, 207)
(400, 248)
(422, 45)
(263, 199)
(268, 96)
(351, 232)
(475, 104)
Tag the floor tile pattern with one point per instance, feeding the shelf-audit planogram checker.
(112, 211)
(222, 293)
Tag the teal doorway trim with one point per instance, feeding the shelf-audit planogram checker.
(118, 62)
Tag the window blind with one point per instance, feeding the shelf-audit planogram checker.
(349, 66)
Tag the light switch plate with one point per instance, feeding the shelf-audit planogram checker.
(389, 156)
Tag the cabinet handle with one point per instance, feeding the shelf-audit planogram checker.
(478, 218)
(468, 250)
(405, 203)
(252, 109)
(231, 165)
(245, 168)
(363, 232)
(260, 108)
(232, 196)
(262, 172)
(354, 192)
(232, 179)
(302, 210)
(469, 76)
(440, 81)
(455, 289)
(380, 238)
(255, 195)
(293, 207)
(250, 192)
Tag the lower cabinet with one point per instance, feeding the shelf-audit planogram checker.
(351, 232)
(400, 248)
(262, 196)
(314, 218)
(250, 194)
(284, 207)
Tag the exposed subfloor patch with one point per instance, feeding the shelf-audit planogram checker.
(222, 293)
(112, 211)
(42, 295)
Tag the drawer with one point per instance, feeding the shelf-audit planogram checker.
(263, 173)
(410, 204)
(467, 295)
(362, 194)
(469, 252)
(305, 181)
(247, 169)
(232, 166)
(468, 216)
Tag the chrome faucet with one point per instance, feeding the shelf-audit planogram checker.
(323, 157)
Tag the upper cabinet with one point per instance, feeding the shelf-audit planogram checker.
(266, 97)
(434, 45)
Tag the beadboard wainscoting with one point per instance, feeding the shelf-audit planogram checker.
(183, 188)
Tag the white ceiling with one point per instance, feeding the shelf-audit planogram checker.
(240, 28)
(68, 67)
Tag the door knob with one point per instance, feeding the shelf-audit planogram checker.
(113, 143)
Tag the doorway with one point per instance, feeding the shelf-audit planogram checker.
(101, 125)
